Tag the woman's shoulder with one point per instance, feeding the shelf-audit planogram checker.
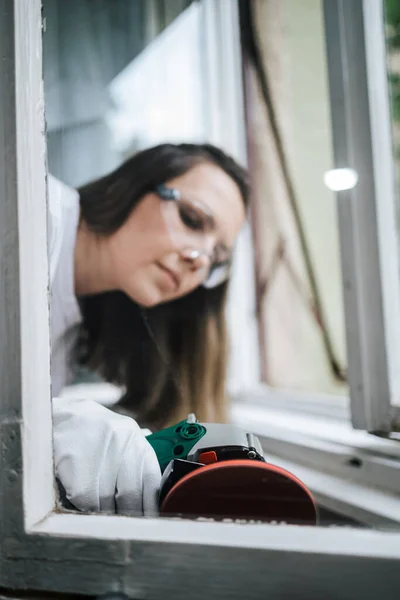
(62, 199)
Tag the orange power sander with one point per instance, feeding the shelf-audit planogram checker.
(219, 471)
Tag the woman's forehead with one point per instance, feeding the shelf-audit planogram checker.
(218, 192)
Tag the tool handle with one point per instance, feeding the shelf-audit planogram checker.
(176, 441)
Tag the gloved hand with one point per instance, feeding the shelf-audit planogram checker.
(103, 460)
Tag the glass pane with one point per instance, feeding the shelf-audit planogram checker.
(116, 82)
(105, 94)
(299, 292)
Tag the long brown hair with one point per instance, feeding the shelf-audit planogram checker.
(170, 359)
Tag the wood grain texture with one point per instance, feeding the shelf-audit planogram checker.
(32, 595)
(200, 572)
(369, 255)
(10, 363)
(39, 498)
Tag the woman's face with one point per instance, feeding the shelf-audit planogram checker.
(161, 252)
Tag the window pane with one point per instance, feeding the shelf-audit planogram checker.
(116, 81)
(295, 223)
(90, 51)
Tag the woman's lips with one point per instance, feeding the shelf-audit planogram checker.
(172, 276)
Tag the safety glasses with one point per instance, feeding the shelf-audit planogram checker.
(191, 225)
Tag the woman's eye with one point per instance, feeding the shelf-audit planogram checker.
(191, 218)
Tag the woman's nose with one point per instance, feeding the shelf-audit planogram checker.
(197, 259)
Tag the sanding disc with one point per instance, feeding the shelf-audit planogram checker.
(242, 489)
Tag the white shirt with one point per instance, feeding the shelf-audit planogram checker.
(63, 219)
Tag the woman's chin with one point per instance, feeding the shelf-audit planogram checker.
(149, 303)
(149, 294)
(146, 296)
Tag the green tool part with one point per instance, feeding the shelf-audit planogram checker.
(175, 441)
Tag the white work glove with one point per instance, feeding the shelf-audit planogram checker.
(103, 459)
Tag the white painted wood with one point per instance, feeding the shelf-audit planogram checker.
(351, 472)
(313, 404)
(365, 504)
(369, 253)
(269, 537)
(385, 193)
(264, 421)
(39, 498)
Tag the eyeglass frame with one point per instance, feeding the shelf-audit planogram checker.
(167, 193)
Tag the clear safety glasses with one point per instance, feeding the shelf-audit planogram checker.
(191, 225)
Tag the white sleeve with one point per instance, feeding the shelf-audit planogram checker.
(103, 459)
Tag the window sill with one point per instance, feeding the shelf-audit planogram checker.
(348, 471)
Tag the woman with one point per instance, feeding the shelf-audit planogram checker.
(139, 264)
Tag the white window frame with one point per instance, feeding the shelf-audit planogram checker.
(44, 549)
(362, 140)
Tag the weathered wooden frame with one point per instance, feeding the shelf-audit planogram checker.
(362, 140)
(42, 548)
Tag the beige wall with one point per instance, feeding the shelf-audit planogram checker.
(292, 41)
